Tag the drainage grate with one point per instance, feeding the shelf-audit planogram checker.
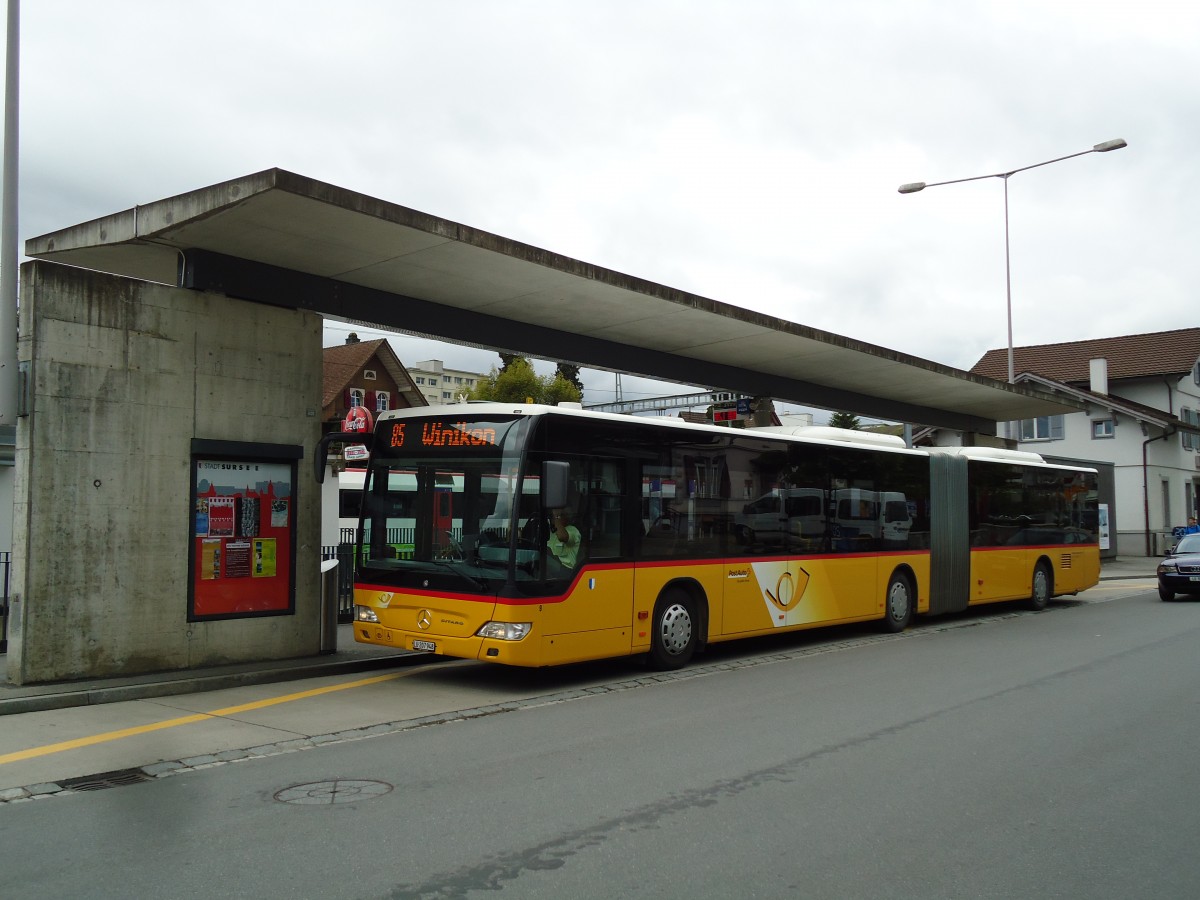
(323, 793)
(105, 780)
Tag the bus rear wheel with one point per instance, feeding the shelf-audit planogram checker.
(673, 641)
(898, 604)
(1043, 587)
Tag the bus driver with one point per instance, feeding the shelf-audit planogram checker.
(564, 538)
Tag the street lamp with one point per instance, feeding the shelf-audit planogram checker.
(921, 185)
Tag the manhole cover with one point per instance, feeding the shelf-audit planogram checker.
(339, 791)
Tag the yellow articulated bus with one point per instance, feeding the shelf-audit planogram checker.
(534, 536)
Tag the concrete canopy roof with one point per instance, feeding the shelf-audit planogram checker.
(280, 238)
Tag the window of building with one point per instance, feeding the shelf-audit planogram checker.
(382, 401)
(1190, 417)
(1103, 428)
(1043, 428)
(445, 379)
(369, 374)
(357, 395)
(1196, 372)
(420, 380)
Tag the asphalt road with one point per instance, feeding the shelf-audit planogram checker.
(1002, 754)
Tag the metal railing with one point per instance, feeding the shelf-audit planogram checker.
(5, 568)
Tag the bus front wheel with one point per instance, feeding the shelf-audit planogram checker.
(1043, 587)
(898, 604)
(673, 641)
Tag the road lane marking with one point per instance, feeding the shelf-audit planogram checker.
(76, 743)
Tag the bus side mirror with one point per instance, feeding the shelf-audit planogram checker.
(556, 479)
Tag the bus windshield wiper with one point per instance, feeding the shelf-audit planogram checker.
(458, 567)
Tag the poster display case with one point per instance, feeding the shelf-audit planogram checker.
(243, 530)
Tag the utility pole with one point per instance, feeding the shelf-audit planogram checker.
(9, 276)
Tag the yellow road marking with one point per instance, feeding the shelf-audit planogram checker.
(75, 744)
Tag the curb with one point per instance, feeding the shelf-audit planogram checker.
(97, 694)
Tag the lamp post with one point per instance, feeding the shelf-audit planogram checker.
(915, 186)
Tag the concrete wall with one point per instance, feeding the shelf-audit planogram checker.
(7, 476)
(123, 375)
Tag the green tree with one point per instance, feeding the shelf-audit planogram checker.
(569, 373)
(519, 383)
(561, 390)
(845, 420)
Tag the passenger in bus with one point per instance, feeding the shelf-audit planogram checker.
(564, 538)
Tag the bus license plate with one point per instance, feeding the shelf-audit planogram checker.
(425, 645)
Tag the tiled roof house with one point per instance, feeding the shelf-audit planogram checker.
(1136, 356)
(368, 372)
(363, 373)
(1142, 396)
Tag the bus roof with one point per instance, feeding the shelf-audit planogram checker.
(801, 434)
(999, 454)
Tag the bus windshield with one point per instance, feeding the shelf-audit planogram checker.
(440, 494)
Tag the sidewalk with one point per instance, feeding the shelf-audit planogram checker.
(1129, 567)
(348, 658)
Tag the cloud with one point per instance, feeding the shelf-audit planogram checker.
(745, 151)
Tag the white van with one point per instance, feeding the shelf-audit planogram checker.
(897, 519)
(792, 512)
(867, 516)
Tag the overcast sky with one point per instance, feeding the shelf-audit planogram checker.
(745, 151)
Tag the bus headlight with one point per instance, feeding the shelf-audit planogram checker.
(505, 631)
(365, 614)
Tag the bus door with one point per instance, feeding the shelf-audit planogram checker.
(763, 580)
(606, 584)
(1001, 569)
(767, 585)
(594, 611)
(442, 520)
(436, 523)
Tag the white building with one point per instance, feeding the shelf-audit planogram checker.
(442, 385)
(1143, 415)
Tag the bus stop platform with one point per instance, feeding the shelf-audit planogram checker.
(349, 657)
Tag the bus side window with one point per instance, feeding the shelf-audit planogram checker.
(604, 510)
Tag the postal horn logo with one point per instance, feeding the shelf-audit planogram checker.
(788, 590)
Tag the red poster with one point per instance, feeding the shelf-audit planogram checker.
(242, 538)
(220, 516)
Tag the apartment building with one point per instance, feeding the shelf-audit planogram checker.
(442, 385)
